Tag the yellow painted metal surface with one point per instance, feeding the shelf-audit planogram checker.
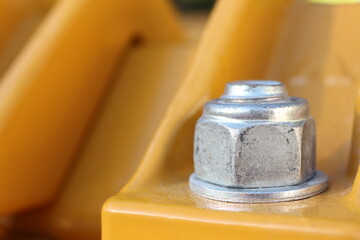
(50, 94)
(318, 59)
(115, 145)
(114, 148)
(18, 21)
(140, 92)
(314, 45)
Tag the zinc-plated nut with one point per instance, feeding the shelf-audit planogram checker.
(254, 141)
(254, 137)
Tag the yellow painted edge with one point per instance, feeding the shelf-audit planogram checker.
(334, 2)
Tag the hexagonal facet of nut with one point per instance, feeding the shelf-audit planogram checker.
(250, 143)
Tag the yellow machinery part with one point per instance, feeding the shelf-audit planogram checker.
(98, 82)
(240, 43)
(116, 143)
(50, 94)
(140, 91)
(318, 59)
(18, 20)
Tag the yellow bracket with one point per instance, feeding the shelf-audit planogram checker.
(50, 94)
(241, 42)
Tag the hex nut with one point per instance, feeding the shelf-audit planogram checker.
(255, 136)
(258, 155)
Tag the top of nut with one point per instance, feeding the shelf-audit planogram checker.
(254, 90)
(257, 100)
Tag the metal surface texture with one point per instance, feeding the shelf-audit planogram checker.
(254, 137)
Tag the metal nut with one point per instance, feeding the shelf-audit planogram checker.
(254, 136)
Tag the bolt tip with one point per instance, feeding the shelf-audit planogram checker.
(254, 90)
